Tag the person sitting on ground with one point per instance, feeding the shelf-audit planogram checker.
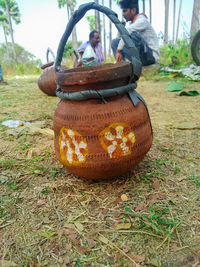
(94, 42)
(1, 76)
(141, 32)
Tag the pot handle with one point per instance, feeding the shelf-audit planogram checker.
(78, 14)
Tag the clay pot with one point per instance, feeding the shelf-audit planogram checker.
(102, 127)
(47, 80)
(96, 139)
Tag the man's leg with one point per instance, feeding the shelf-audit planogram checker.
(145, 52)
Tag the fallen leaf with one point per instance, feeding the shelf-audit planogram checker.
(138, 258)
(156, 184)
(82, 250)
(124, 226)
(126, 249)
(68, 246)
(79, 226)
(73, 238)
(103, 239)
(117, 200)
(69, 225)
(91, 242)
(60, 232)
(124, 197)
(141, 206)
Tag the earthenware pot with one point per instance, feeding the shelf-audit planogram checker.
(102, 127)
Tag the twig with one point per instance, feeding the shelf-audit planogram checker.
(168, 236)
(110, 244)
(135, 232)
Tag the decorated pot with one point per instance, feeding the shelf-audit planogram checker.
(102, 127)
(47, 80)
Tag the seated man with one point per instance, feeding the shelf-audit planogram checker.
(94, 41)
(1, 76)
(141, 32)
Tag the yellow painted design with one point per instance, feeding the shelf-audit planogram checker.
(73, 147)
(117, 139)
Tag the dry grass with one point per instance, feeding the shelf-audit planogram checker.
(150, 217)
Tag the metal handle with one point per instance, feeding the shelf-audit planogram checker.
(78, 14)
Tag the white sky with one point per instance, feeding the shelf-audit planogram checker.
(43, 23)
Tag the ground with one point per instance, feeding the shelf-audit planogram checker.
(149, 217)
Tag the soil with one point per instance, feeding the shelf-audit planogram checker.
(149, 217)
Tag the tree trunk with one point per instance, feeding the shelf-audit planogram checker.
(166, 21)
(174, 22)
(195, 18)
(6, 41)
(104, 32)
(178, 22)
(74, 35)
(110, 30)
(143, 1)
(150, 11)
(97, 20)
(11, 31)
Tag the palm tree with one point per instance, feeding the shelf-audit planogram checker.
(104, 32)
(97, 20)
(178, 22)
(70, 4)
(150, 10)
(174, 21)
(110, 31)
(166, 21)
(195, 18)
(9, 10)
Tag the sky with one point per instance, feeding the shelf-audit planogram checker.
(43, 23)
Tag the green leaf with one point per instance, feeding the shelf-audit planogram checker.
(174, 86)
(189, 93)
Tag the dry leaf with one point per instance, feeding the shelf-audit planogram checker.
(126, 249)
(141, 206)
(103, 239)
(138, 258)
(156, 184)
(117, 200)
(82, 250)
(121, 226)
(124, 197)
(74, 239)
(60, 232)
(68, 246)
(69, 225)
(91, 242)
(79, 226)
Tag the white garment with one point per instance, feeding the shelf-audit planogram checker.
(144, 28)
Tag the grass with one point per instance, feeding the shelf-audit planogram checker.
(148, 217)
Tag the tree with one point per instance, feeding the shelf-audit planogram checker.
(11, 10)
(195, 18)
(150, 11)
(91, 20)
(110, 30)
(174, 21)
(178, 22)
(97, 20)
(143, 4)
(166, 21)
(70, 6)
(104, 32)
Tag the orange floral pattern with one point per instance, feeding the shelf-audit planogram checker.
(117, 139)
(73, 147)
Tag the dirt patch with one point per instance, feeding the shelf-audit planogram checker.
(150, 217)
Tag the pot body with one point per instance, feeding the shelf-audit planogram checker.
(97, 140)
